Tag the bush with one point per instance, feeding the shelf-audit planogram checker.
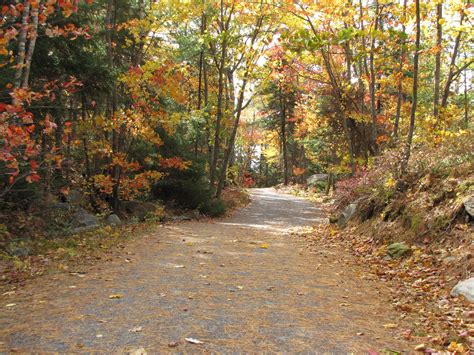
(213, 208)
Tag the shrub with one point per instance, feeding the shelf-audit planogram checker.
(213, 208)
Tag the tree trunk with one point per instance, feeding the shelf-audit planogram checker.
(112, 103)
(452, 65)
(406, 155)
(20, 58)
(231, 143)
(283, 138)
(220, 97)
(466, 99)
(372, 83)
(437, 74)
(201, 62)
(31, 46)
(400, 79)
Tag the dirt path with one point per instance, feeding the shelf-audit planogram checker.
(240, 284)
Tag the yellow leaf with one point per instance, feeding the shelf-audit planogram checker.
(264, 246)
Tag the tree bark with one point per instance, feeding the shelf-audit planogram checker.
(400, 79)
(220, 95)
(372, 83)
(407, 152)
(452, 65)
(31, 46)
(437, 74)
(283, 138)
(20, 58)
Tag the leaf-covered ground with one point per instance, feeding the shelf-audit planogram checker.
(244, 283)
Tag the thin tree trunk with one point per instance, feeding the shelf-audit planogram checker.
(238, 112)
(345, 119)
(406, 155)
(116, 170)
(20, 58)
(283, 138)
(201, 62)
(452, 66)
(231, 143)
(372, 83)
(220, 97)
(466, 99)
(437, 74)
(400, 79)
(31, 46)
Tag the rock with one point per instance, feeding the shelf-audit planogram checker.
(195, 214)
(137, 209)
(397, 250)
(180, 218)
(464, 288)
(113, 220)
(78, 198)
(60, 206)
(313, 179)
(84, 221)
(18, 250)
(346, 215)
(469, 206)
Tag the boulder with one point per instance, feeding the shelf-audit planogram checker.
(18, 250)
(397, 250)
(60, 206)
(464, 288)
(469, 206)
(313, 179)
(346, 215)
(180, 218)
(137, 209)
(113, 220)
(77, 198)
(84, 221)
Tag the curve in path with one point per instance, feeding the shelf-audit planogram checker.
(241, 284)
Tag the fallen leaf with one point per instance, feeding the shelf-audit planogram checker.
(117, 296)
(179, 266)
(10, 305)
(194, 341)
(420, 347)
(240, 287)
(264, 246)
(390, 326)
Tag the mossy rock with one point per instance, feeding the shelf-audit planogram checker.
(397, 250)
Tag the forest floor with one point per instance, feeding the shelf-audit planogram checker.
(247, 283)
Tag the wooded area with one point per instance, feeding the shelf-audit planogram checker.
(136, 111)
(123, 99)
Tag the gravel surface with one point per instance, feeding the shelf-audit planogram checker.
(245, 283)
